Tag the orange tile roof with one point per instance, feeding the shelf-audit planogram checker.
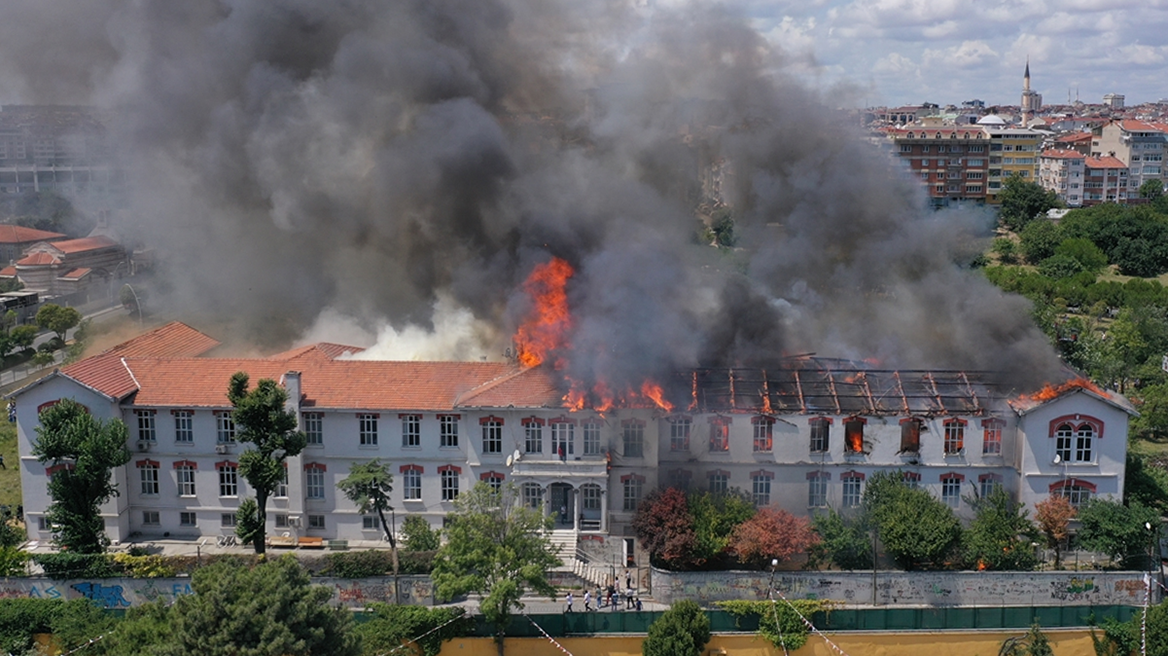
(1073, 138)
(84, 244)
(347, 384)
(1105, 163)
(8, 272)
(76, 274)
(14, 234)
(1063, 154)
(175, 339)
(524, 388)
(38, 259)
(1132, 125)
(326, 350)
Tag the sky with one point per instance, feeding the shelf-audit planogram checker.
(893, 52)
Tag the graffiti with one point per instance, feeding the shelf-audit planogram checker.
(109, 596)
(931, 589)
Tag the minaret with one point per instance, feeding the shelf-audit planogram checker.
(1031, 101)
(1026, 76)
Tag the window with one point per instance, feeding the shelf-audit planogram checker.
(227, 520)
(492, 434)
(910, 435)
(853, 489)
(411, 430)
(820, 434)
(719, 482)
(679, 428)
(314, 428)
(281, 521)
(992, 436)
(590, 497)
(1073, 444)
(145, 424)
(954, 436)
(411, 482)
(185, 476)
(988, 483)
(719, 434)
(367, 429)
(369, 523)
(493, 479)
(634, 438)
(281, 491)
(1083, 439)
(817, 489)
(632, 484)
(973, 189)
(854, 434)
(760, 488)
(911, 480)
(228, 479)
(448, 432)
(316, 522)
(224, 428)
(533, 435)
(187, 519)
(679, 478)
(449, 476)
(150, 518)
(563, 437)
(533, 496)
(314, 481)
(148, 472)
(1076, 491)
(905, 148)
(951, 489)
(183, 426)
(763, 433)
(591, 439)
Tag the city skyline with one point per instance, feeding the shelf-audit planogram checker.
(901, 52)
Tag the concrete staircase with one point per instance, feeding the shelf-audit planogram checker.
(565, 542)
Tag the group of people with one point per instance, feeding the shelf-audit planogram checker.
(610, 598)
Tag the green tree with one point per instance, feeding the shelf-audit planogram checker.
(845, 541)
(715, 516)
(417, 535)
(387, 627)
(23, 336)
(1145, 482)
(917, 530)
(1157, 635)
(683, 630)
(57, 319)
(86, 450)
(1152, 189)
(1083, 251)
(1006, 249)
(1039, 240)
(1000, 535)
(368, 486)
(270, 609)
(262, 420)
(1152, 423)
(722, 226)
(1023, 200)
(497, 547)
(1117, 530)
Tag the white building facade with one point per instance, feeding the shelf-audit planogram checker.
(805, 437)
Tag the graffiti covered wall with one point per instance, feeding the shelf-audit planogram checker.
(125, 592)
(911, 589)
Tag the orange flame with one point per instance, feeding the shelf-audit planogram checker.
(549, 322)
(1049, 391)
(654, 393)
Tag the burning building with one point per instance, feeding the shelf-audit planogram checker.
(804, 434)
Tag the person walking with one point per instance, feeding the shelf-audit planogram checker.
(599, 598)
(587, 601)
(569, 607)
(629, 598)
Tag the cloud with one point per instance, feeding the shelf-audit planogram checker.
(969, 54)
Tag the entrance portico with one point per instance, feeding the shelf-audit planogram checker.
(572, 492)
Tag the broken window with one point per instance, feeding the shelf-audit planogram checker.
(954, 436)
(910, 435)
(854, 434)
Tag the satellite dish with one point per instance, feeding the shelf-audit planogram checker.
(1057, 458)
(509, 460)
(515, 456)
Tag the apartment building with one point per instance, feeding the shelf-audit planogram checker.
(1140, 145)
(1062, 172)
(805, 436)
(1106, 180)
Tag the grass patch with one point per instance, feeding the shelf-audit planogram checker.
(10, 476)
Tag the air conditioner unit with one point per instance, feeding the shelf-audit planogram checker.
(143, 446)
(294, 521)
(220, 448)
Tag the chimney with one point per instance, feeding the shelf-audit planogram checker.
(291, 383)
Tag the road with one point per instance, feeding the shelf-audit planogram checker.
(19, 372)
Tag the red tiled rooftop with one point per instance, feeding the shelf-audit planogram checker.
(77, 274)
(1132, 125)
(8, 272)
(1104, 163)
(14, 234)
(84, 244)
(175, 339)
(38, 259)
(525, 388)
(1074, 138)
(1063, 154)
(326, 350)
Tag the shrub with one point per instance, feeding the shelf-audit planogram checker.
(683, 630)
(67, 565)
(418, 535)
(359, 564)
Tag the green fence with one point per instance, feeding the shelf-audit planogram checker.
(851, 619)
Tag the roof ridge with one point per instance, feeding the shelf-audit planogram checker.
(489, 385)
